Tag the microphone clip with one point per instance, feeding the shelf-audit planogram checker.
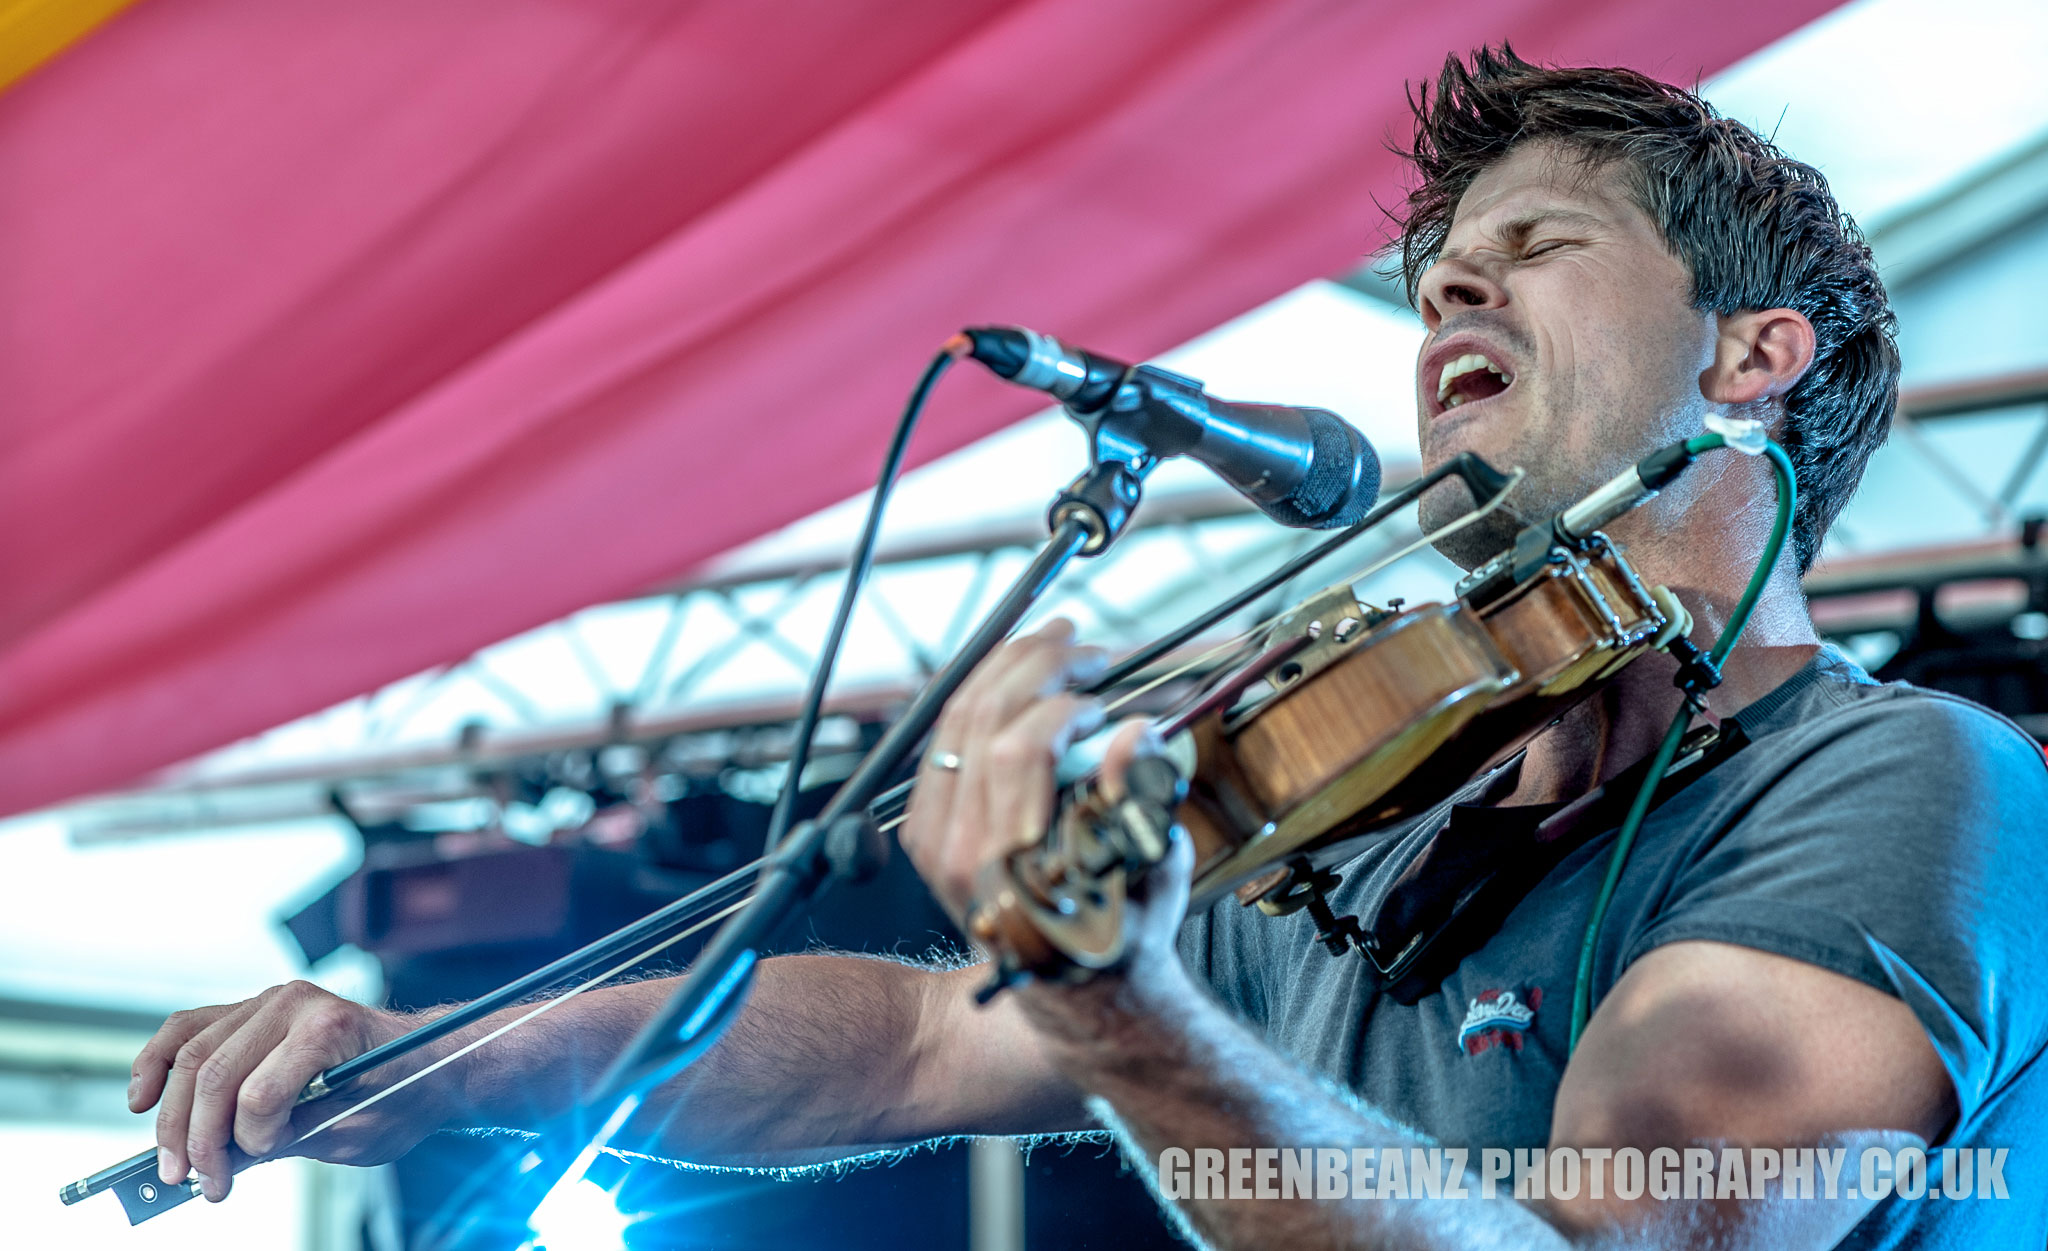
(1150, 414)
(1102, 500)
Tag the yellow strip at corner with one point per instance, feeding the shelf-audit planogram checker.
(33, 31)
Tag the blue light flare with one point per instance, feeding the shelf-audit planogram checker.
(581, 1216)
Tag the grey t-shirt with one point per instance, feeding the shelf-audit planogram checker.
(1891, 834)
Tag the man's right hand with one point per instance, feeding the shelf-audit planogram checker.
(834, 1056)
(233, 1073)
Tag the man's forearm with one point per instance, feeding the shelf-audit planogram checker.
(820, 1063)
(1176, 1071)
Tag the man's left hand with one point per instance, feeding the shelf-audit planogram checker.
(1007, 728)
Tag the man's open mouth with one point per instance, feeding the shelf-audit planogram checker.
(1470, 377)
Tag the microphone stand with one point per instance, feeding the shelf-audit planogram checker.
(840, 842)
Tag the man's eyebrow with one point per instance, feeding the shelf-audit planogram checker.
(1516, 230)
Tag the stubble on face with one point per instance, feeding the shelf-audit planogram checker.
(1579, 292)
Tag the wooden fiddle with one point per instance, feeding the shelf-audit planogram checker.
(1344, 720)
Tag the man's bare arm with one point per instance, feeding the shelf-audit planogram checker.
(1700, 1042)
(1173, 1069)
(1710, 1041)
(833, 1055)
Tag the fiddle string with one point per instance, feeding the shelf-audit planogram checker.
(1239, 639)
(540, 1009)
(1485, 510)
(1371, 568)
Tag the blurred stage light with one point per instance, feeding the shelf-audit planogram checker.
(578, 1217)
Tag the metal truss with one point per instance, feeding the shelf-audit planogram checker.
(706, 675)
(1998, 493)
(647, 685)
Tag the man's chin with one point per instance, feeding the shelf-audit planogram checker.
(1469, 546)
(1445, 436)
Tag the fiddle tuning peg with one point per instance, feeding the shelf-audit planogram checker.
(1142, 828)
(1155, 780)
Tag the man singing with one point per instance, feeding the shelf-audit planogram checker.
(1822, 938)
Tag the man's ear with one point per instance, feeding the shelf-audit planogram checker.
(1758, 355)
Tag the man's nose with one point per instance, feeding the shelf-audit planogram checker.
(1452, 286)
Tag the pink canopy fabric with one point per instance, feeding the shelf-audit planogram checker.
(338, 340)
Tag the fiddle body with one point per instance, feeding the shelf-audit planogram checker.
(1344, 721)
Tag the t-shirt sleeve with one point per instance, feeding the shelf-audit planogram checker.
(1903, 847)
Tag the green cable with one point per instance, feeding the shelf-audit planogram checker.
(1788, 496)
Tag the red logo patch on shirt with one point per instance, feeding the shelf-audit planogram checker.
(1498, 1018)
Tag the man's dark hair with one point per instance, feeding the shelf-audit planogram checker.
(1755, 228)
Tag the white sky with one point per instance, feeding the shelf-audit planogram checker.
(1895, 100)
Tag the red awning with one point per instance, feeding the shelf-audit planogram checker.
(340, 340)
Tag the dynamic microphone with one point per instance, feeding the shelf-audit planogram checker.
(1304, 467)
